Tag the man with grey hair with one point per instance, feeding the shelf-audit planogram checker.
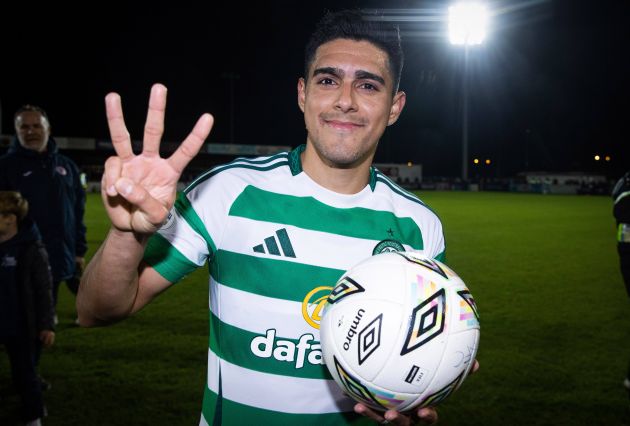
(52, 185)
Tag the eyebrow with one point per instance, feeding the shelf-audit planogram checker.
(329, 70)
(366, 75)
(359, 74)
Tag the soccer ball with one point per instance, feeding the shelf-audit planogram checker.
(399, 331)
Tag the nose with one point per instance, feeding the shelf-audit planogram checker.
(346, 101)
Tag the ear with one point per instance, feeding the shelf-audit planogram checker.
(397, 106)
(301, 89)
(48, 126)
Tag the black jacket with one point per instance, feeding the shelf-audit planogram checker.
(26, 304)
(51, 183)
(621, 199)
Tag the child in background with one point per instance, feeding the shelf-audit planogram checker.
(26, 306)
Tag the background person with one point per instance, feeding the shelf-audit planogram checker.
(621, 212)
(26, 307)
(51, 183)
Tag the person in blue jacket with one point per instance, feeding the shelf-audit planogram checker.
(52, 185)
(26, 308)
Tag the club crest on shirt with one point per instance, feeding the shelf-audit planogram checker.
(387, 246)
(61, 170)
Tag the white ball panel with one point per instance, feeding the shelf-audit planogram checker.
(364, 333)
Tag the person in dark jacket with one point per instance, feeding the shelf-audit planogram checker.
(26, 307)
(52, 185)
(621, 212)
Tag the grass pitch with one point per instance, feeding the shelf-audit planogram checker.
(544, 272)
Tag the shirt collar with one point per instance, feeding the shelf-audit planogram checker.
(295, 164)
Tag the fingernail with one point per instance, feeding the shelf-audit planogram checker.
(125, 187)
(111, 190)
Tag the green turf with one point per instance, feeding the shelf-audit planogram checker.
(544, 272)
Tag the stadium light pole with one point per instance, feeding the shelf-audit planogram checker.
(467, 22)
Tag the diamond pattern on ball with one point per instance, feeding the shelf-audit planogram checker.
(427, 321)
(355, 387)
(426, 262)
(465, 294)
(344, 288)
(370, 338)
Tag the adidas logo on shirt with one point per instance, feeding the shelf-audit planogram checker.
(271, 244)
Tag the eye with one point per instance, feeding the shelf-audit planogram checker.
(368, 86)
(326, 81)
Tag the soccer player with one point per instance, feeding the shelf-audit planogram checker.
(273, 230)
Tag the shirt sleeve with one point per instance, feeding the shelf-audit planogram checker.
(179, 247)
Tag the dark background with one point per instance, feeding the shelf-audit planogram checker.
(548, 90)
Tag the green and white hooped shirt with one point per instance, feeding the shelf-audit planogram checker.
(276, 243)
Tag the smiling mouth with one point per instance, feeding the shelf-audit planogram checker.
(342, 125)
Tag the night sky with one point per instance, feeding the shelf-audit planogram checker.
(548, 90)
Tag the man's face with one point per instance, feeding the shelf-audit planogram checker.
(347, 101)
(8, 223)
(32, 130)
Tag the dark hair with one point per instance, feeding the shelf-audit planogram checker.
(358, 26)
(30, 108)
(12, 202)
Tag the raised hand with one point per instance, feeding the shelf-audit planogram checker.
(139, 190)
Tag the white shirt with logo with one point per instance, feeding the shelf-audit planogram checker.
(276, 243)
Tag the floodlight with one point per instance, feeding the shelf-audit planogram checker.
(467, 23)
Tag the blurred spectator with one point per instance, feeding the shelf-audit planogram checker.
(26, 307)
(621, 211)
(52, 185)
